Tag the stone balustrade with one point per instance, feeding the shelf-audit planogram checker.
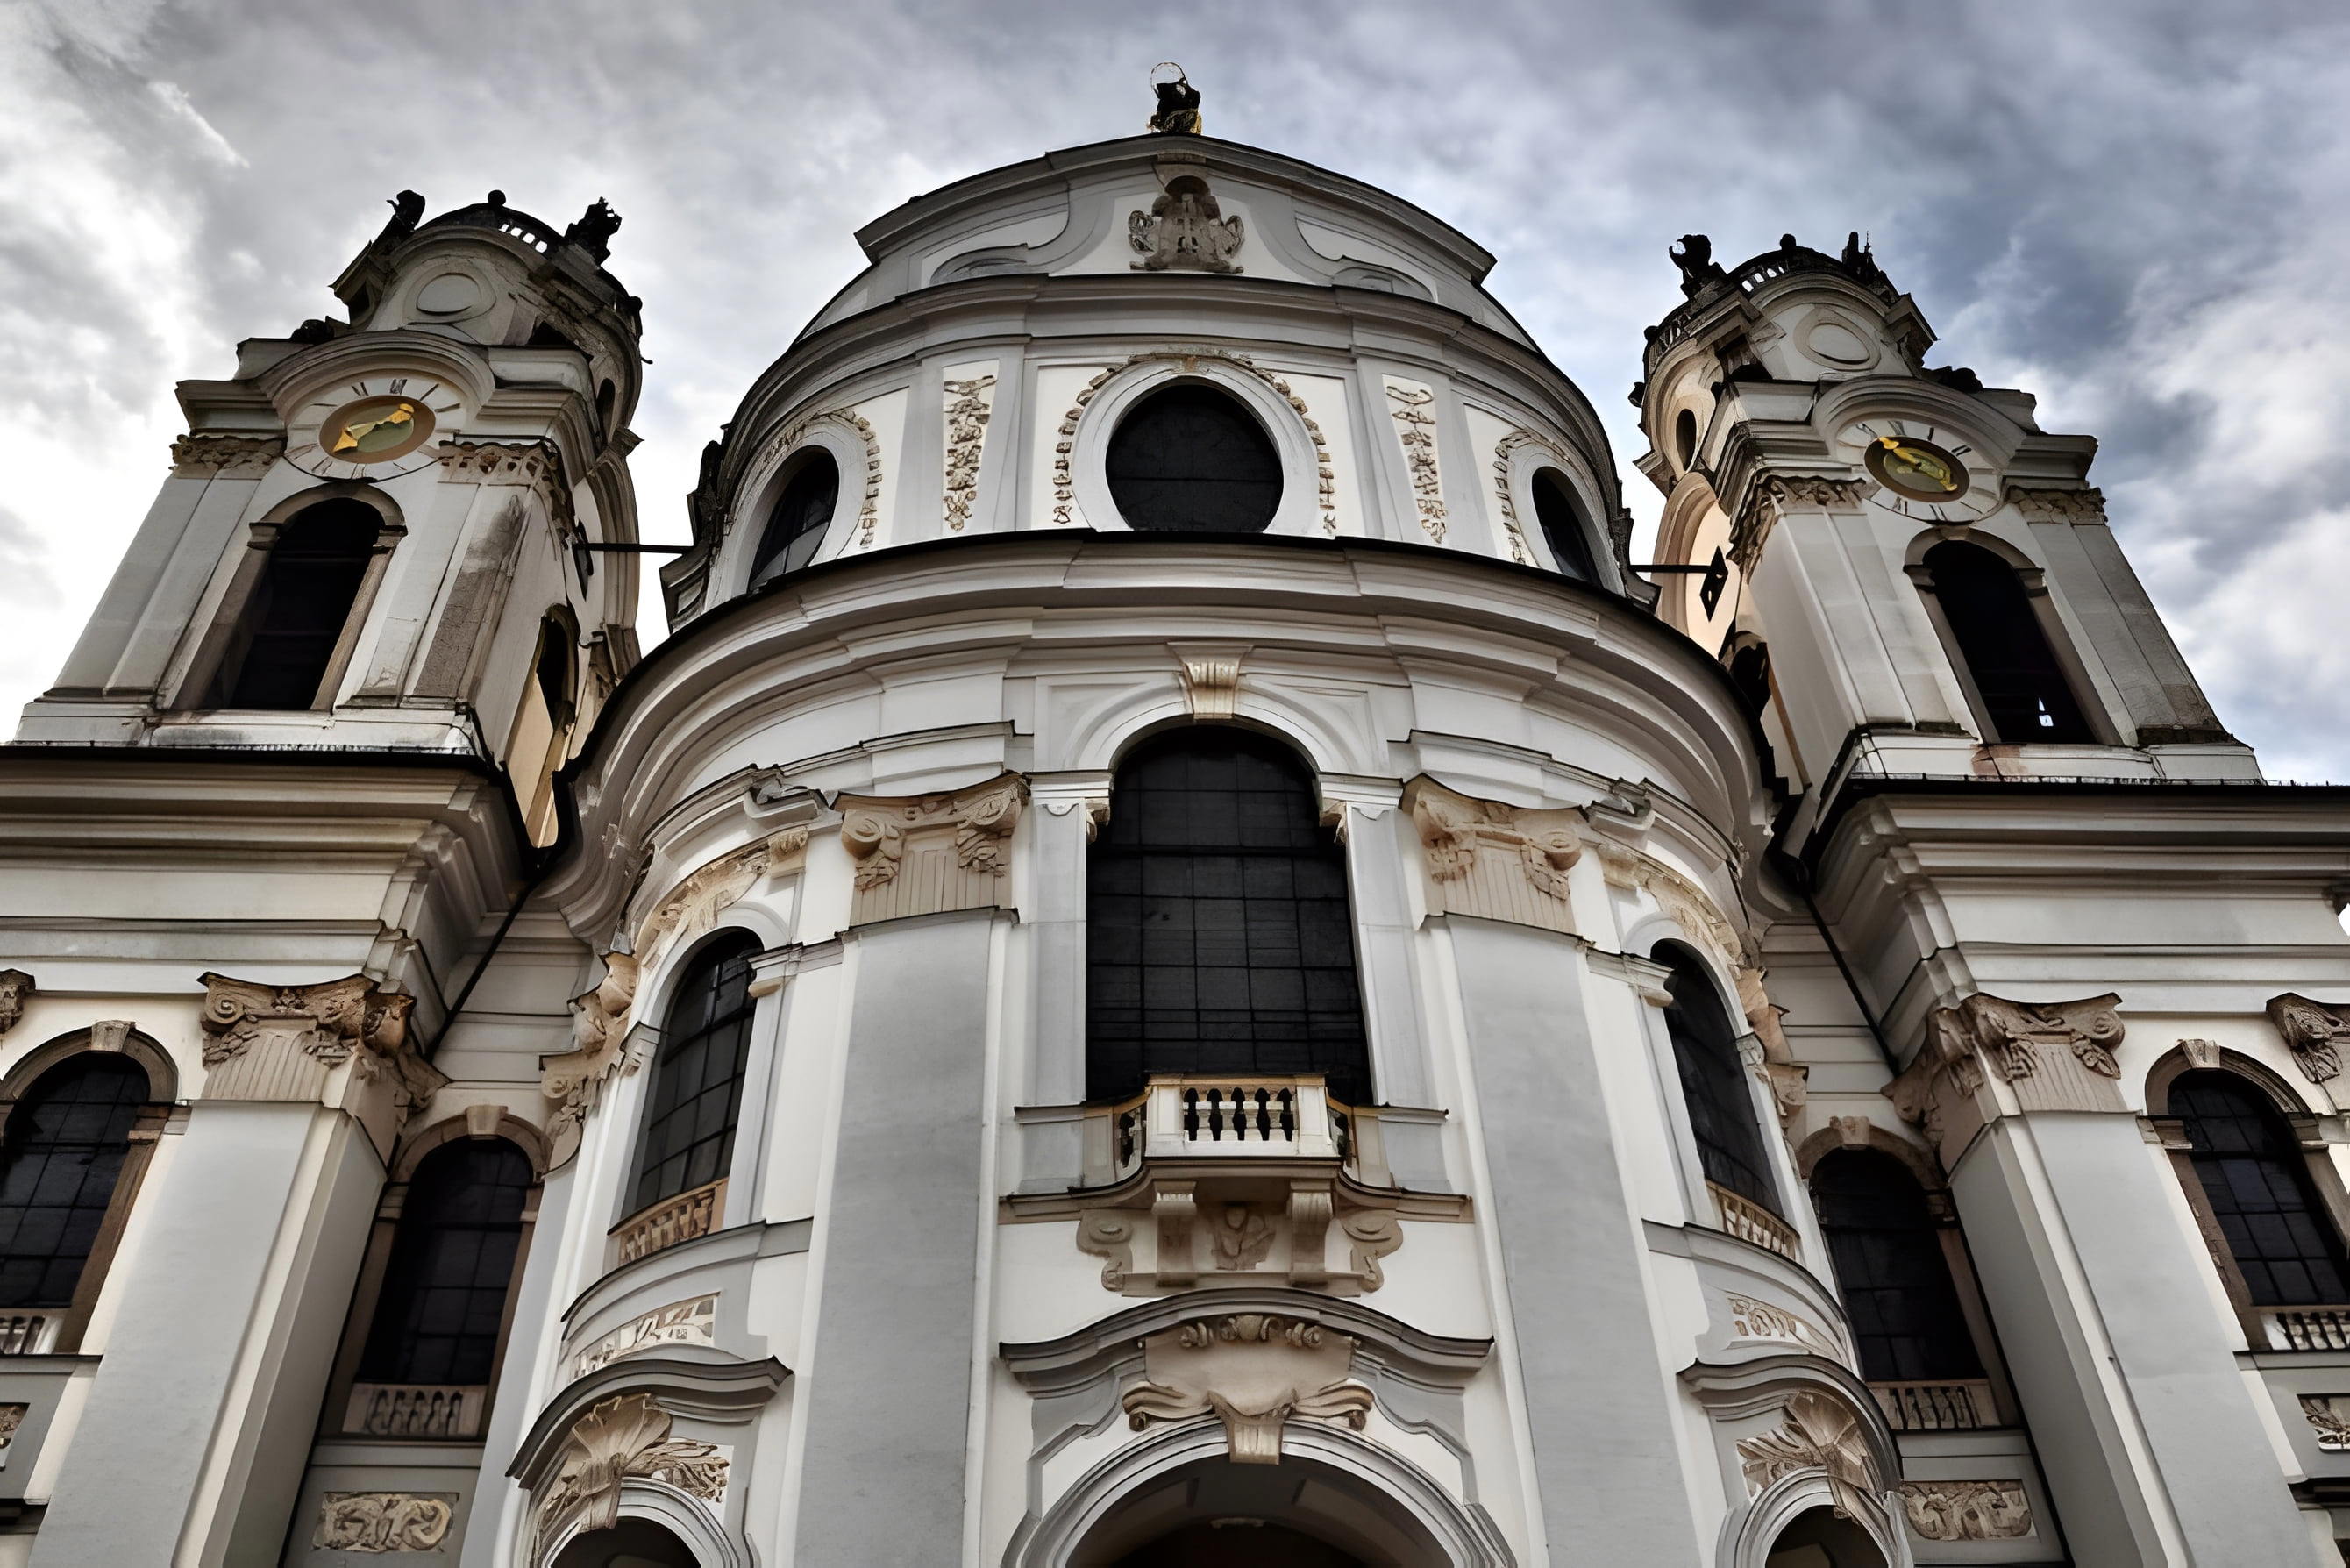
(671, 1220)
(1750, 1222)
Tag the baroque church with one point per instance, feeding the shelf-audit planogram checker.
(1180, 957)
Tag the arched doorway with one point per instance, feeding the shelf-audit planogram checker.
(630, 1544)
(1816, 1538)
(1213, 1513)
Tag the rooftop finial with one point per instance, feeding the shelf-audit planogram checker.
(1179, 102)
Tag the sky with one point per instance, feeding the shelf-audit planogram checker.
(2133, 211)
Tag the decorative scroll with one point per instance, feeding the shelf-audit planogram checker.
(1064, 492)
(381, 1521)
(2314, 1032)
(919, 855)
(16, 987)
(1213, 687)
(969, 407)
(1416, 428)
(680, 1323)
(1789, 1080)
(1818, 1434)
(613, 1441)
(1255, 1371)
(1967, 1510)
(1493, 861)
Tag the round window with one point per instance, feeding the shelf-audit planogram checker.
(1190, 459)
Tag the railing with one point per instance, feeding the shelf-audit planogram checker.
(2307, 1328)
(1202, 1116)
(670, 1221)
(26, 1334)
(416, 1409)
(1936, 1406)
(1750, 1222)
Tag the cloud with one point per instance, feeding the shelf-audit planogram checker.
(2129, 209)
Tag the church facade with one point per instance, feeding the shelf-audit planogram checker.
(1179, 958)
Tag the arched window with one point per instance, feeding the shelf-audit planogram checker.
(284, 642)
(2001, 648)
(1562, 527)
(66, 1145)
(1713, 1080)
(796, 527)
(1219, 937)
(1891, 1270)
(2257, 1190)
(697, 1081)
(439, 1315)
(1685, 437)
(1190, 459)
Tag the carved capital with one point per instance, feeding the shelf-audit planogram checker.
(1495, 861)
(225, 456)
(2039, 505)
(2314, 1031)
(920, 855)
(2052, 1056)
(16, 988)
(1254, 1371)
(342, 1043)
(1774, 496)
(498, 461)
(611, 1442)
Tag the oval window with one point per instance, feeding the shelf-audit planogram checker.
(1562, 526)
(1190, 459)
(796, 527)
(1685, 436)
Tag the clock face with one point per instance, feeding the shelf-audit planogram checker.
(374, 429)
(1921, 472)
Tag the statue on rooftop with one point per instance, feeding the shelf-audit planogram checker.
(1179, 103)
(594, 231)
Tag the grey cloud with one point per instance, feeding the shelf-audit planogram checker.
(2116, 205)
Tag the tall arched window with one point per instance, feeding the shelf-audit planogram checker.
(2257, 1190)
(1219, 937)
(1562, 526)
(2001, 648)
(65, 1147)
(796, 527)
(442, 1309)
(284, 642)
(1891, 1270)
(1713, 1080)
(1190, 459)
(697, 1080)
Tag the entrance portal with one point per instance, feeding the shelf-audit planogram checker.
(1212, 1513)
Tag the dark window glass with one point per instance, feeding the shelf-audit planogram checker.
(297, 611)
(796, 528)
(1890, 1270)
(65, 1149)
(1562, 525)
(697, 1088)
(1190, 459)
(452, 1259)
(1218, 933)
(1714, 1080)
(553, 671)
(2024, 689)
(1685, 437)
(2259, 1186)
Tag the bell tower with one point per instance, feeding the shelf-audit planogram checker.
(394, 531)
(1904, 572)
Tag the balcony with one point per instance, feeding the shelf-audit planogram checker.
(1962, 1407)
(1750, 1222)
(416, 1411)
(2306, 1327)
(690, 1214)
(1229, 1118)
(29, 1333)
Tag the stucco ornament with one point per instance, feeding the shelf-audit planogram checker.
(1185, 231)
(1254, 1371)
(1818, 1434)
(16, 987)
(342, 1043)
(2325, 1414)
(617, 1438)
(2054, 1057)
(1967, 1510)
(969, 405)
(920, 855)
(1789, 1079)
(371, 1523)
(330, 1020)
(1492, 860)
(1416, 429)
(575, 1080)
(2314, 1031)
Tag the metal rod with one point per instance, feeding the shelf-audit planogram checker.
(1658, 567)
(640, 549)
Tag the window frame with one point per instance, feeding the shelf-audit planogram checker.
(794, 463)
(1579, 518)
(1677, 954)
(1199, 391)
(2302, 1125)
(2041, 601)
(192, 691)
(146, 1128)
(1088, 501)
(680, 972)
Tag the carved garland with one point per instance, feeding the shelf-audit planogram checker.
(1416, 428)
(1967, 1510)
(868, 506)
(1065, 493)
(371, 1523)
(1510, 524)
(968, 411)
